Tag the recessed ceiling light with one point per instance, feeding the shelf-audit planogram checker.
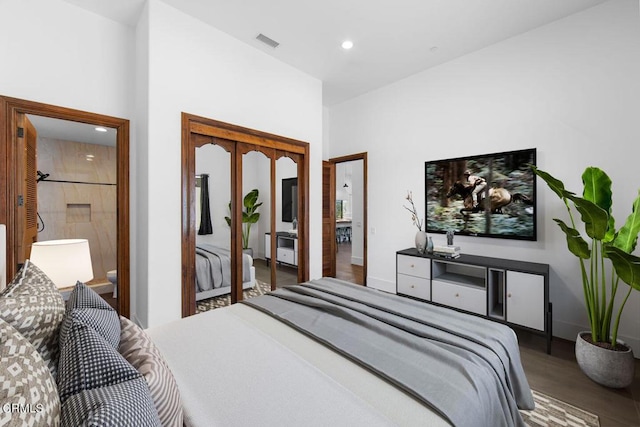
(347, 44)
(101, 129)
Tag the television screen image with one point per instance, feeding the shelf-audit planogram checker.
(492, 195)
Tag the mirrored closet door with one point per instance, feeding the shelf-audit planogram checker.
(264, 229)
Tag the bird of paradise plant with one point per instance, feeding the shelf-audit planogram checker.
(603, 242)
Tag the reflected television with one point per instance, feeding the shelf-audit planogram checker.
(490, 195)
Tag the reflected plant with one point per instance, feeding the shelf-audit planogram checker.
(249, 215)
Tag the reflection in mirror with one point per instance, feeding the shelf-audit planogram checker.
(213, 235)
(287, 222)
(74, 195)
(256, 181)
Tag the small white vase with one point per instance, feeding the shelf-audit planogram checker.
(421, 241)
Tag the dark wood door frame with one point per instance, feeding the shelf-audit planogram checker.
(198, 131)
(365, 197)
(9, 110)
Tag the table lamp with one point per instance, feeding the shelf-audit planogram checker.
(64, 261)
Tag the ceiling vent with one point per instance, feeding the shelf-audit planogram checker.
(266, 40)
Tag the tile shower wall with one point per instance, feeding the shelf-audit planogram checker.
(71, 210)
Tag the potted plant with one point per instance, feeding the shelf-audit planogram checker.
(249, 217)
(606, 259)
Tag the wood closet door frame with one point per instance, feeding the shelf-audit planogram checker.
(198, 131)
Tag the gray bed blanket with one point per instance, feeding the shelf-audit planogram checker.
(464, 367)
(213, 267)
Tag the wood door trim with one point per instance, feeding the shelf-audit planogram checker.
(365, 202)
(241, 140)
(210, 127)
(9, 109)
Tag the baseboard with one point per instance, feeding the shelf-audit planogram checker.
(357, 260)
(383, 285)
(137, 321)
(569, 331)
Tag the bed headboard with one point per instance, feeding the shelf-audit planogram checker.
(3, 256)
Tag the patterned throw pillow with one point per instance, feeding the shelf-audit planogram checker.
(98, 386)
(123, 404)
(88, 361)
(32, 304)
(138, 349)
(28, 392)
(89, 307)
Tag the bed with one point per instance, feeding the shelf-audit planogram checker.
(330, 353)
(213, 271)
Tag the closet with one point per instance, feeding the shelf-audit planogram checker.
(241, 144)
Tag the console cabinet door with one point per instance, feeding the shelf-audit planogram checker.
(525, 299)
(267, 246)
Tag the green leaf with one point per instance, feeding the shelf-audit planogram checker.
(575, 242)
(597, 188)
(627, 266)
(596, 219)
(627, 237)
(251, 198)
(228, 220)
(250, 218)
(554, 184)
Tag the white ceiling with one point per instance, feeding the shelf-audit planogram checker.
(66, 130)
(392, 39)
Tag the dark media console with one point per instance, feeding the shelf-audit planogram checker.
(506, 291)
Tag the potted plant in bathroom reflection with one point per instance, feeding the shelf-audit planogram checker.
(601, 356)
(250, 216)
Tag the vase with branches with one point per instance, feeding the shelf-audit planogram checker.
(421, 236)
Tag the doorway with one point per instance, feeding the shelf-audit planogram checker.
(345, 218)
(12, 114)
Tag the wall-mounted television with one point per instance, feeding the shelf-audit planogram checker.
(289, 199)
(490, 195)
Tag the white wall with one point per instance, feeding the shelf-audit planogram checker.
(59, 54)
(569, 89)
(62, 55)
(197, 69)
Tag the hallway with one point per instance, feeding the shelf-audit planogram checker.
(344, 269)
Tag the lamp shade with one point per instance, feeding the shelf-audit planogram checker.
(64, 261)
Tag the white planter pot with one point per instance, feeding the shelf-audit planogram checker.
(609, 368)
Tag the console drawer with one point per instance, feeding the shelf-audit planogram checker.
(463, 297)
(286, 255)
(414, 286)
(414, 266)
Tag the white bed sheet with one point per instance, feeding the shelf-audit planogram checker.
(237, 367)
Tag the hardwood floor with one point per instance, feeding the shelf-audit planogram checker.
(556, 374)
(285, 275)
(344, 269)
(559, 376)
